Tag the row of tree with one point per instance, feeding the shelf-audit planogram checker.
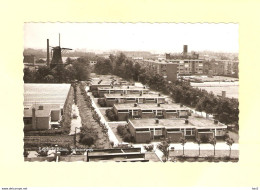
(224, 109)
(77, 69)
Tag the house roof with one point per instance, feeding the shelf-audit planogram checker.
(125, 87)
(45, 93)
(198, 123)
(133, 96)
(150, 106)
(45, 112)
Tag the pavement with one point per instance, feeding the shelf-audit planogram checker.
(75, 122)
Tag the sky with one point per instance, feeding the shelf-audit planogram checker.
(156, 38)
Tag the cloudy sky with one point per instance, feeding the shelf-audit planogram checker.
(159, 38)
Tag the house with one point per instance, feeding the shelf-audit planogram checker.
(112, 99)
(122, 90)
(134, 110)
(145, 130)
(44, 104)
(42, 116)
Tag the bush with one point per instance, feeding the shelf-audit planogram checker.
(149, 147)
(102, 102)
(204, 139)
(87, 140)
(125, 133)
(122, 130)
(111, 115)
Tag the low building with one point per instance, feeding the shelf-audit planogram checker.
(122, 90)
(145, 130)
(39, 117)
(44, 104)
(112, 99)
(116, 154)
(162, 111)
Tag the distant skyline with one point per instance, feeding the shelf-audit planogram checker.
(156, 38)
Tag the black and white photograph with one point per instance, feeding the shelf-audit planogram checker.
(131, 92)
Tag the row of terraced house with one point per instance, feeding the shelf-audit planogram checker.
(150, 116)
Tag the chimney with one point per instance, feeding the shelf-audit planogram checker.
(159, 94)
(223, 94)
(185, 49)
(158, 105)
(157, 121)
(215, 121)
(127, 87)
(186, 121)
(135, 104)
(48, 53)
(144, 87)
(181, 105)
(121, 94)
(40, 108)
(33, 118)
(141, 94)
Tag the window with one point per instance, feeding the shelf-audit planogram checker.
(171, 111)
(147, 111)
(122, 111)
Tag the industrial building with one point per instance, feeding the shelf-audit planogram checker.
(145, 130)
(112, 99)
(162, 111)
(44, 104)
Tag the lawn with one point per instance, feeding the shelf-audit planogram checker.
(113, 126)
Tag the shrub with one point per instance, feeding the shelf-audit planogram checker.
(112, 143)
(122, 130)
(87, 140)
(102, 102)
(149, 147)
(111, 115)
(204, 139)
(226, 136)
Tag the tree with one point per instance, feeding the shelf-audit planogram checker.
(198, 140)
(164, 147)
(213, 142)
(183, 142)
(29, 75)
(230, 142)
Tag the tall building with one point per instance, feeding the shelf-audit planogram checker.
(166, 69)
(188, 63)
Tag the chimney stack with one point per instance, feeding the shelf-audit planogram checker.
(223, 94)
(181, 105)
(48, 53)
(215, 121)
(135, 104)
(33, 118)
(158, 105)
(186, 121)
(185, 49)
(157, 121)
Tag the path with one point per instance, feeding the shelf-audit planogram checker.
(75, 122)
(111, 135)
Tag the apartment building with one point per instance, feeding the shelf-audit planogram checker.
(112, 99)
(145, 130)
(162, 111)
(122, 90)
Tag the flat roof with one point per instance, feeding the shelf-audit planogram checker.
(125, 87)
(198, 123)
(133, 96)
(47, 108)
(150, 106)
(38, 93)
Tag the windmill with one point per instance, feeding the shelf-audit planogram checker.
(56, 54)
